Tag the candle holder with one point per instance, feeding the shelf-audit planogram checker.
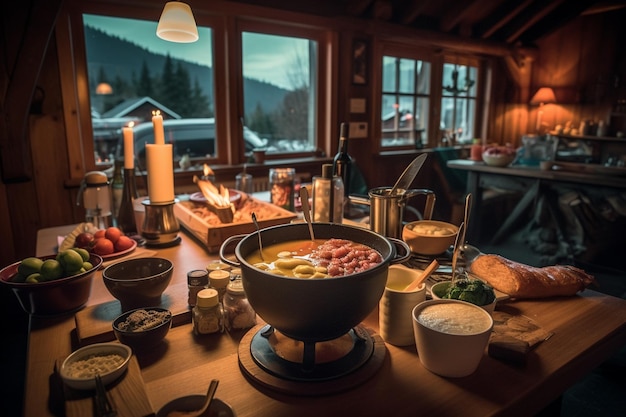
(160, 226)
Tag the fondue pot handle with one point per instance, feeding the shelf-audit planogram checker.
(225, 244)
(401, 255)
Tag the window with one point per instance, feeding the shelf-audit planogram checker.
(131, 73)
(458, 101)
(405, 101)
(283, 69)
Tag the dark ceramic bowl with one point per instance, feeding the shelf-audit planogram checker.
(60, 296)
(149, 329)
(138, 282)
(315, 309)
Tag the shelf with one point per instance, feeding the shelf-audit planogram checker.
(596, 138)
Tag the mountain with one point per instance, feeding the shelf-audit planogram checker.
(116, 57)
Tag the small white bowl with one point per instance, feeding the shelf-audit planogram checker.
(90, 351)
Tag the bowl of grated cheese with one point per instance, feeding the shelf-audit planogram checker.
(109, 360)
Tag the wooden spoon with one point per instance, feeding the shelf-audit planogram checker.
(207, 403)
(418, 281)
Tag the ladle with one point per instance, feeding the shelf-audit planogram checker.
(460, 236)
(304, 198)
(207, 403)
(258, 230)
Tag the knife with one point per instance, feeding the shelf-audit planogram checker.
(409, 174)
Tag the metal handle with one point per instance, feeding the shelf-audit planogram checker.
(400, 257)
(227, 242)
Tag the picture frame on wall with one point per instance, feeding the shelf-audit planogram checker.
(359, 62)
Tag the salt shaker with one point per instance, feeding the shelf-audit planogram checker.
(328, 193)
(197, 280)
(218, 280)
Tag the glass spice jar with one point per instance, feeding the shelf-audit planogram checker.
(207, 315)
(238, 313)
(197, 280)
(218, 280)
(282, 183)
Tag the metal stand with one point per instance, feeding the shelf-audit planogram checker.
(160, 226)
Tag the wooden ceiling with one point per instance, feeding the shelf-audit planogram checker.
(513, 22)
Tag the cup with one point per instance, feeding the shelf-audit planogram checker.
(451, 336)
(395, 306)
(258, 155)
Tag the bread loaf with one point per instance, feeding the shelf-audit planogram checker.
(523, 281)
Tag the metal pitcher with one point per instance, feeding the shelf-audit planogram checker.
(387, 210)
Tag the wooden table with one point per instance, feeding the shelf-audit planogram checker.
(587, 330)
(528, 180)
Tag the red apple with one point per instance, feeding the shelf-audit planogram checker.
(123, 243)
(84, 240)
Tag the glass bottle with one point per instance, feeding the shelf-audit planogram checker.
(197, 280)
(126, 216)
(207, 316)
(342, 163)
(117, 187)
(238, 313)
(218, 280)
(328, 196)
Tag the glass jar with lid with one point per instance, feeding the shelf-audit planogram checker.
(207, 315)
(238, 313)
(218, 280)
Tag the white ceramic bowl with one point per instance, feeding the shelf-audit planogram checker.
(439, 289)
(499, 160)
(91, 351)
(451, 353)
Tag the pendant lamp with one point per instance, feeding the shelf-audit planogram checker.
(177, 23)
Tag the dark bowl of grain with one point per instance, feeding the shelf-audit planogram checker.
(143, 327)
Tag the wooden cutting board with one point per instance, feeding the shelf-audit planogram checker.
(127, 395)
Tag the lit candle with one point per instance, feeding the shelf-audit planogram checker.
(157, 122)
(160, 173)
(129, 147)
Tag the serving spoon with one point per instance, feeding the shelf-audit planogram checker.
(258, 231)
(304, 198)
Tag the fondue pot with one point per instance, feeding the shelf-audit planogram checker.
(313, 310)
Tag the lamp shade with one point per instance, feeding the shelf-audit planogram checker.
(104, 89)
(177, 23)
(545, 95)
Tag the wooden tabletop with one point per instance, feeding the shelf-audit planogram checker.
(587, 330)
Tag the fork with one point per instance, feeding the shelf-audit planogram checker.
(103, 406)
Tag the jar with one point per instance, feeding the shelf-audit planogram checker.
(197, 280)
(218, 280)
(214, 265)
(328, 196)
(476, 151)
(238, 313)
(282, 183)
(207, 315)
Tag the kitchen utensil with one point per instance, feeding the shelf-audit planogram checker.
(207, 403)
(103, 405)
(304, 197)
(409, 174)
(387, 210)
(258, 231)
(460, 236)
(418, 281)
(466, 216)
(305, 309)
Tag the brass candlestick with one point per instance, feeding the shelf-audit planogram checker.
(160, 226)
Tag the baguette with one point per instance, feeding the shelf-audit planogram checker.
(523, 281)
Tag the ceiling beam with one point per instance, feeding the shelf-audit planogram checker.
(412, 10)
(356, 7)
(458, 13)
(529, 17)
(500, 17)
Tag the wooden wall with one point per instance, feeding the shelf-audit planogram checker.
(580, 60)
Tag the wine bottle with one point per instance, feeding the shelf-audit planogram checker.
(342, 161)
(126, 215)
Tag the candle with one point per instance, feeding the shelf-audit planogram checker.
(160, 173)
(129, 147)
(157, 122)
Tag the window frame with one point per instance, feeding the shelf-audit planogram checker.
(228, 84)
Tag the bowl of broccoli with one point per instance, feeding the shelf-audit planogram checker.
(474, 291)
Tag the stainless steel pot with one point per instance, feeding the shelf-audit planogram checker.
(387, 210)
(313, 310)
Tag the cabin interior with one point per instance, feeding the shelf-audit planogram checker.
(575, 48)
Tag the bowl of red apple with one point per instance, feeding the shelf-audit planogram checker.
(499, 156)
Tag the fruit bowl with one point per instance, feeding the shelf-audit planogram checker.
(59, 296)
(499, 156)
